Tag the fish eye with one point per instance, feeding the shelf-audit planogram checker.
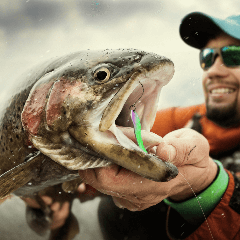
(102, 74)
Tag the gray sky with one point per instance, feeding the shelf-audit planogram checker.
(32, 31)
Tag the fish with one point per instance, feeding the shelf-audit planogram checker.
(72, 113)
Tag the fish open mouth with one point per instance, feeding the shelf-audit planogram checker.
(142, 95)
(144, 100)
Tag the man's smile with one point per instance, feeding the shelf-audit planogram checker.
(221, 93)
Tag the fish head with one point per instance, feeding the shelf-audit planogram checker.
(78, 113)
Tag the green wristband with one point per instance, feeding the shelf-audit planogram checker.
(197, 209)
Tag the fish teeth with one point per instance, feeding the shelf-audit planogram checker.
(222, 90)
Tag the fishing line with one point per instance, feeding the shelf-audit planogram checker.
(195, 196)
(137, 123)
(198, 204)
(133, 105)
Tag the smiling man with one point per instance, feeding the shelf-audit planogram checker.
(220, 82)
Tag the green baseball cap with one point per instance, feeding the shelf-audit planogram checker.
(197, 28)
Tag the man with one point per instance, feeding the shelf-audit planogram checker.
(204, 199)
(218, 120)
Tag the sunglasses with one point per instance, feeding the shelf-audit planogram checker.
(230, 56)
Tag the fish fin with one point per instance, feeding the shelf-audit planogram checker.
(18, 176)
(71, 158)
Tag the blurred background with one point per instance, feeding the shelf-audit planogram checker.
(32, 31)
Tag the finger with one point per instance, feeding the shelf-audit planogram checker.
(48, 200)
(166, 152)
(82, 188)
(31, 202)
(57, 223)
(60, 216)
(118, 182)
(95, 177)
(65, 210)
(191, 147)
(55, 206)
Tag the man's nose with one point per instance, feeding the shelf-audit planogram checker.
(218, 69)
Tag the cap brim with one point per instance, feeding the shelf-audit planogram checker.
(197, 28)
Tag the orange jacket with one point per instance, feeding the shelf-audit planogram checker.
(224, 222)
(220, 139)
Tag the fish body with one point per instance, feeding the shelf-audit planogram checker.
(67, 114)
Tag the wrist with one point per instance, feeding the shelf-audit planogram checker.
(192, 209)
(199, 184)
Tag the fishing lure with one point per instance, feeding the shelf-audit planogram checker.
(137, 129)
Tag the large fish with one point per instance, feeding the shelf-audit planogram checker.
(73, 112)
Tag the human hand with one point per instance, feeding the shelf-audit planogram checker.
(60, 212)
(185, 148)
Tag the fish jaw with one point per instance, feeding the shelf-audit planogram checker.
(130, 157)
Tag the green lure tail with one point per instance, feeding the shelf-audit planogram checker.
(137, 129)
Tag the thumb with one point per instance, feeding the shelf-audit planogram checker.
(190, 147)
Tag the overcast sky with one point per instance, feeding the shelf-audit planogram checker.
(32, 31)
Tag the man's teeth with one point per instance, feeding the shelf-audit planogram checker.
(222, 90)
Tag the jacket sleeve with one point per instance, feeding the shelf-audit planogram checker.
(223, 223)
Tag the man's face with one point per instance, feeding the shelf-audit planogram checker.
(221, 87)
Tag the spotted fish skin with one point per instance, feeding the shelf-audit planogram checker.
(62, 106)
(15, 149)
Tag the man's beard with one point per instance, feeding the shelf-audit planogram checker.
(225, 117)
